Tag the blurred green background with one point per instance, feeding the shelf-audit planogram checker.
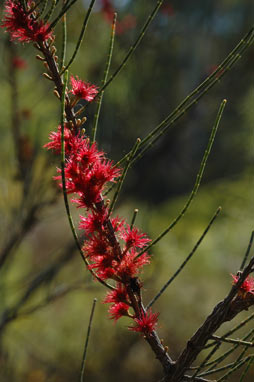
(45, 292)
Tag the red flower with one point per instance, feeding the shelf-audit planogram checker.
(55, 141)
(21, 24)
(134, 238)
(83, 90)
(118, 310)
(146, 323)
(98, 246)
(130, 266)
(92, 222)
(117, 295)
(247, 286)
(104, 267)
(87, 154)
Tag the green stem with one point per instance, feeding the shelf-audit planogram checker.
(63, 11)
(248, 251)
(108, 63)
(134, 218)
(81, 36)
(134, 46)
(198, 179)
(246, 369)
(185, 261)
(201, 90)
(64, 40)
(222, 357)
(87, 340)
(50, 12)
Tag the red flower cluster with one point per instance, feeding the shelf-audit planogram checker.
(246, 287)
(146, 323)
(86, 169)
(112, 246)
(22, 24)
(83, 90)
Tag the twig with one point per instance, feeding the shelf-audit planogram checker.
(86, 343)
(108, 62)
(81, 36)
(185, 261)
(247, 251)
(232, 341)
(198, 179)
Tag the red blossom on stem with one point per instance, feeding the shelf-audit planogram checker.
(134, 238)
(247, 286)
(130, 266)
(146, 323)
(55, 141)
(87, 174)
(83, 90)
(22, 24)
(117, 295)
(118, 310)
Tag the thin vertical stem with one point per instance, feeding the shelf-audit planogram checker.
(63, 11)
(50, 12)
(247, 251)
(246, 369)
(87, 340)
(108, 62)
(64, 39)
(44, 6)
(134, 218)
(82, 33)
(134, 46)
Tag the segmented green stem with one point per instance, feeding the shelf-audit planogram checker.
(44, 6)
(64, 40)
(233, 369)
(185, 261)
(210, 354)
(81, 36)
(134, 46)
(198, 179)
(246, 369)
(108, 62)
(134, 218)
(222, 357)
(87, 340)
(198, 93)
(233, 330)
(62, 12)
(231, 366)
(247, 251)
(50, 12)
(232, 341)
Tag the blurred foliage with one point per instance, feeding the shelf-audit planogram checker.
(183, 45)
